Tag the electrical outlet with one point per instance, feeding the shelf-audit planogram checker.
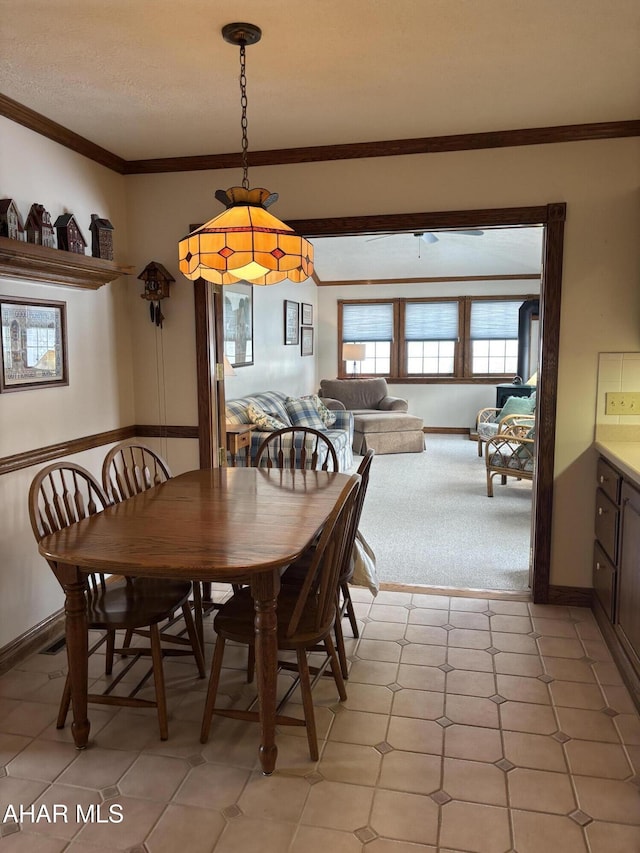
(622, 403)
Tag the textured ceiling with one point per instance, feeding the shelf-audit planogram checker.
(153, 78)
(491, 252)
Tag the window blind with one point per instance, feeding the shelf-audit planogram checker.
(494, 320)
(367, 321)
(431, 321)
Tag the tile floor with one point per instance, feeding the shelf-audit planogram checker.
(471, 726)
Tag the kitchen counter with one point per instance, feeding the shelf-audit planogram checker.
(625, 455)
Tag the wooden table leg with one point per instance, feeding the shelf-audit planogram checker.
(264, 589)
(75, 608)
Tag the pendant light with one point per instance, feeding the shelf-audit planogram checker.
(245, 242)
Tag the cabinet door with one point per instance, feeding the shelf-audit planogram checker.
(606, 524)
(629, 574)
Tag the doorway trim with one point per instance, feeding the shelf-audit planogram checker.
(552, 217)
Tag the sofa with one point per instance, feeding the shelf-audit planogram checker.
(291, 411)
(381, 422)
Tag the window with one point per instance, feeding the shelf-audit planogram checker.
(440, 339)
(431, 335)
(369, 323)
(494, 337)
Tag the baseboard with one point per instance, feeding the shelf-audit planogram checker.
(447, 430)
(32, 640)
(458, 592)
(629, 674)
(571, 596)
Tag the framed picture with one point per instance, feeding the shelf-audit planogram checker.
(307, 314)
(306, 344)
(291, 323)
(34, 344)
(238, 323)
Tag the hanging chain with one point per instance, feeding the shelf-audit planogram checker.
(243, 103)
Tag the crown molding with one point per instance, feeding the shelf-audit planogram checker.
(313, 154)
(52, 130)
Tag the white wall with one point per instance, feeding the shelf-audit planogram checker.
(454, 405)
(100, 392)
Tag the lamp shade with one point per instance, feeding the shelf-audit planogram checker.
(228, 369)
(354, 352)
(246, 243)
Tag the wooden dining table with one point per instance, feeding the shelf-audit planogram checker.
(220, 524)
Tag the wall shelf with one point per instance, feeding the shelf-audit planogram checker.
(54, 266)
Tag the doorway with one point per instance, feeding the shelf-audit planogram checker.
(552, 217)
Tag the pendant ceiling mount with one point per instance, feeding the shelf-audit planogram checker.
(245, 242)
(241, 34)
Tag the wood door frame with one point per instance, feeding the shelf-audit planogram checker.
(552, 217)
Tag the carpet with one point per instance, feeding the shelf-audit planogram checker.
(429, 521)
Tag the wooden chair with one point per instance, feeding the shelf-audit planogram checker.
(296, 572)
(305, 619)
(131, 468)
(509, 456)
(489, 426)
(64, 493)
(297, 447)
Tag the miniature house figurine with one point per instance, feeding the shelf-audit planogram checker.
(156, 287)
(10, 220)
(70, 237)
(39, 228)
(101, 237)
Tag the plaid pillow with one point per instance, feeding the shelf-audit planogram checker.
(263, 420)
(327, 417)
(302, 412)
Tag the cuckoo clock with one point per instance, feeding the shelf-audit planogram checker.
(39, 228)
(156, 287)
(69, 235)
(101, 237)
(10, 220)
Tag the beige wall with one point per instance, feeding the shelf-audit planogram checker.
(100, 391)
(138, 367)
(601, 297)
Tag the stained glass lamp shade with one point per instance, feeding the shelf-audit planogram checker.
(245, 243)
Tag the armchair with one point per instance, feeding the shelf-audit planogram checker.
(361, 396)
(489, 424)
(380, 422)
(509, 455)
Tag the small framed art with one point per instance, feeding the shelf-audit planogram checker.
(291, 323)
(307, 314)
(34, 344)
(306, 344)
(238, 323)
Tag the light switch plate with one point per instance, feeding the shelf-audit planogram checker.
(622, 403)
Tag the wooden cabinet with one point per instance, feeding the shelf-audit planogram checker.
(616, 567)
(628, 610)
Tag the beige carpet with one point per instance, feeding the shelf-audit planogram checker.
(429, 520)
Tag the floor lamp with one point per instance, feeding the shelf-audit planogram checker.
(354, 353)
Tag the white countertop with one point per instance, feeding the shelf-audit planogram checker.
(625, 455)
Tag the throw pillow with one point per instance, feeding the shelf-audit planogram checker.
(263, 420)
(302, 412)
(516, 406)
(327, 417)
